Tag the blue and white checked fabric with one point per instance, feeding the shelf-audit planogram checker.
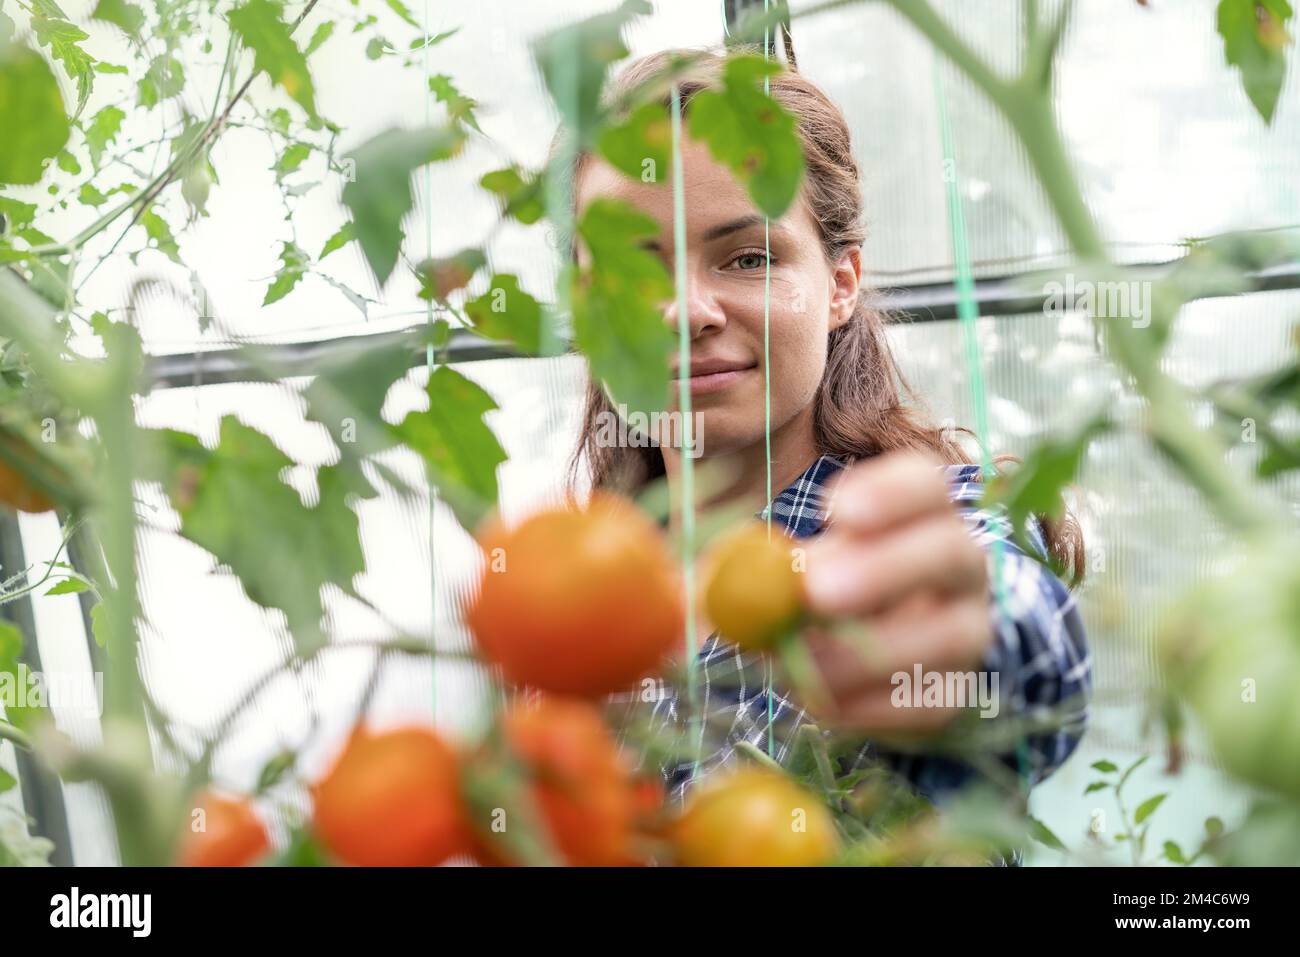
(1040, 655)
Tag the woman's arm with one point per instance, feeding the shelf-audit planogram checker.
(892, 546)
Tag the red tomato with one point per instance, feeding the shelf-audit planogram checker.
(228, 833)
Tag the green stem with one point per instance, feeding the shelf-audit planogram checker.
(17, 736)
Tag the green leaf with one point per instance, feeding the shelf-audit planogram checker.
(259, 25)
(575, 59)
(377, 47)
(291, 159)
(69, 586)
(508, 314)
(274, 770)
(523, 197)
(15, 674)
(439, 278)
(1041, 833)
(62, 39)
(641, 146)
(1034, 486)
(15, 213)
(160, 234)
(323, 32)
(31, 114)
(279, 119)
(1096, 786)
(459, 107)
(1148, 807)
(1213, 826)
(1254, 40)
(380, 195)
(348, 393)
(340, 239)
(101, 626)
(420, 43)
(102, 130)
(102, 67)
(90, 196)
(460, 452)
(294, 262)
(750, 132)
(1105, 767)
(1174, 853)
(7, 781)
(120, 13)
(617, 303)
(68, 163)
(401, 10)
(164, 79)
(18, 847)
(232, 502)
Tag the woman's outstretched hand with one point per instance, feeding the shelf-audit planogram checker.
(898, 559)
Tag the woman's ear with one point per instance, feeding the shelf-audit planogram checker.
(847, 279)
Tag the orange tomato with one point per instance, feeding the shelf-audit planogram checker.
(753, 817)
(392, 799)
(583, 791)
(227, 834)
(753, 593)
(18, 493)
(580, 602)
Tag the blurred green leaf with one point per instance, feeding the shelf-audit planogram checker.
(291, 158)
(1041, 833)
(641, 146)
(102, 130)
(164, 79)
(294, 262)
(521, 195)
(460, 452)
(1105, 767)
(18, 847)
(341, 238)
(259, 25)
(233, 502)
(31, 114)
(618, 303)
(439, 278)
(575, 59)
(380, 195)
(126, 15)
(1255, 40)
(750, 132)
(1174, 853)
(322, 33)
(402, 11)
(7, 781)
(1096, 786)
(69, 586)
(508, 314)
(1148, 807)
(459, 106)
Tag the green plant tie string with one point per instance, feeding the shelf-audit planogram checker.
(687, 432)
(968, 316)
(767, 393)
(428, 368)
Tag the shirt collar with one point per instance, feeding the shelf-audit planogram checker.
(804, 507)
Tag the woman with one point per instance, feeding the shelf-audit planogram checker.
(886, 499)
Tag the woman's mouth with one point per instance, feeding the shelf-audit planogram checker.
(708, 378)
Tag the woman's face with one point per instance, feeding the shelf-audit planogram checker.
(725, 267)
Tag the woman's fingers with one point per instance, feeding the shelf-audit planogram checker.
(851, 576)
(948, 636)
(878, 494)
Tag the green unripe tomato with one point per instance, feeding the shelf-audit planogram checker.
(1231, 649)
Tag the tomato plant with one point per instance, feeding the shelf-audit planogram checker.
(392, 799)
(754, 818)
(578, 601)
(753, 590)
(223, 832)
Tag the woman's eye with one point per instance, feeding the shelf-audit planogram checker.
(751, 260)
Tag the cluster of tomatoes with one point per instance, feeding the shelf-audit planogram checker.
(574, 605)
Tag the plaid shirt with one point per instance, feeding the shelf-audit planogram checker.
(1039, 653)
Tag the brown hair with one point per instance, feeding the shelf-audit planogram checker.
(859, 407)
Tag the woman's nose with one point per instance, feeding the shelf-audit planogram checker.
(702, 310)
